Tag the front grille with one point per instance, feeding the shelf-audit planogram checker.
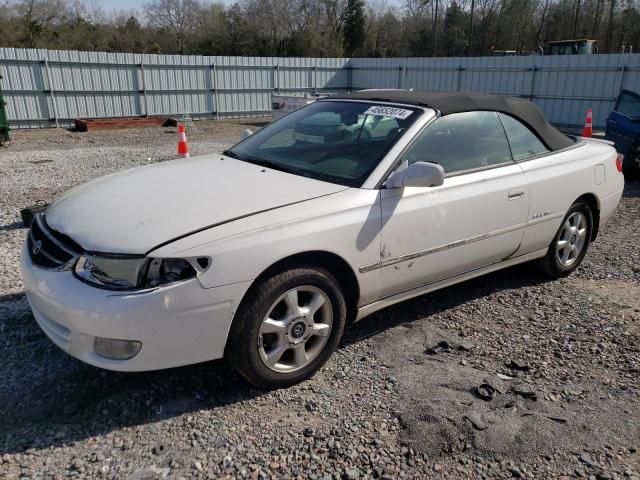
(50, 249)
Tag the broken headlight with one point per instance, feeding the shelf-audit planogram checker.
(128, 273)
(169, 270)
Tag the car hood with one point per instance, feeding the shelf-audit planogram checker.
(134, 211)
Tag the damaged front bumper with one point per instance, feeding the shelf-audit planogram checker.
(173, 325)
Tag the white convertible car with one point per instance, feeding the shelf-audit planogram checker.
(264, 254)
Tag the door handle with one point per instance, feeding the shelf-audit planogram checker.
(515, 194)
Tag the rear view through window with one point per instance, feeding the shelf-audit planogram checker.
(523, 141)
(462, 141)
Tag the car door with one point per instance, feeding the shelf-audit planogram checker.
(623, 124)
(476, 218)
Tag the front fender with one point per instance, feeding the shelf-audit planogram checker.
(346, 224)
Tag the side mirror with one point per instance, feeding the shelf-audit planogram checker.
(245, 133)
(418, 174)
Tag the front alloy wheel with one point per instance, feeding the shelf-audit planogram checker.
(295, 329)
(287, 327)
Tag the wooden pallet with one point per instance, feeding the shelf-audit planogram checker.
(86, 124)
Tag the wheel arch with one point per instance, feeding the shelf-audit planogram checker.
(333, 263)
(594, 204)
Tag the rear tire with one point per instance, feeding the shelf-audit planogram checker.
(287, 327)
(570, 245)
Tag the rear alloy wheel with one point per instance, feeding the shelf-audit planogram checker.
(570, 244)
(287, 327)
(572, 240)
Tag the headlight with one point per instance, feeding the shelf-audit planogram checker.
(111, 272)
(127, 273)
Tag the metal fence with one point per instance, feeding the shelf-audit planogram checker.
(52, 87)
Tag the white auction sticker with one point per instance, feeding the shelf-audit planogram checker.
(394, 112)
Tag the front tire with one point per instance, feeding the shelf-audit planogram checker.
(570, 245)
(287, 327)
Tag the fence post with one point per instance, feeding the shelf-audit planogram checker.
(399, 76)
(144, 90)
(533, 74)
(620, 84)
(460, 70)
(54, 104)
(349, 78)
(214, 88)
(276, 79)
(315, 79)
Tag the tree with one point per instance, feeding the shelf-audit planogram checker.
(541, 25)
(354, 26)
(38, 18)
(320, 28)
(576, 18)
(212, 31)
(128, 35)
(333, 15)
(178, 17)
(473, 4)
(384, 33)
(434, 28)
(454, 37)
(597, 17)
(612, 9)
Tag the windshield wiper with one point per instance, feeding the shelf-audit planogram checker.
(261, 162)
(269, 164)
(231, 154)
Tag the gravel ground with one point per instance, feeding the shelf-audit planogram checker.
(385, 406)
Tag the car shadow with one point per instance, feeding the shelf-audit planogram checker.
(439, 301)
(49, 399)
(631, 189)
(12, 226)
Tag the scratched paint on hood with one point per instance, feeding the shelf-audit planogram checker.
(135, 210)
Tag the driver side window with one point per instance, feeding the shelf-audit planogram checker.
(461, 142)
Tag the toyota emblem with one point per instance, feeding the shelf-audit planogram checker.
(37, 245)
(298, 330)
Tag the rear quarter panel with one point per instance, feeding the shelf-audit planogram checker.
(556, 180)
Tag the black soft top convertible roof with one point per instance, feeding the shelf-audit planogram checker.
(456, 102)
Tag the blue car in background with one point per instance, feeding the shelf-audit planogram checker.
(623, 129)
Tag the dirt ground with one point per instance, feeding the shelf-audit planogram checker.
(223, 131)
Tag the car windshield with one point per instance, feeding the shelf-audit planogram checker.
(334, 141)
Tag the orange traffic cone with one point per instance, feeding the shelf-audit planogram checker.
(183, 148)
(587, 131)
